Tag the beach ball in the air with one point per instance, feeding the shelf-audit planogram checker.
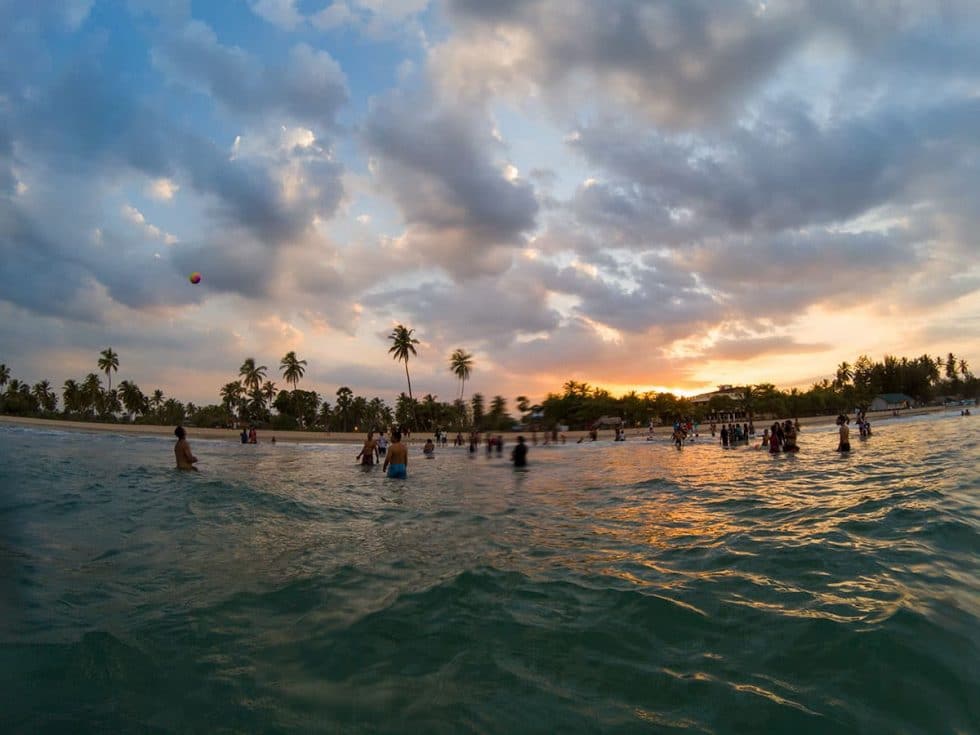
(194, 278)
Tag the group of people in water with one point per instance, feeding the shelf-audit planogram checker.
(780, 437)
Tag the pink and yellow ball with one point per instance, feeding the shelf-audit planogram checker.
(195, 277)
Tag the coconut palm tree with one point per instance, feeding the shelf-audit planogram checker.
(461, 363)
(292, 368)
(403, 345)
(269, 391)
(231, 397)
(156, 400)
(45, 396)
(4, 375)
(844, 375)
(91, 393)
(108, 361)
(71, 395)
(132, 398)
(251, 375)
(964, 367)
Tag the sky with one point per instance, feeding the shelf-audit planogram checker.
(638, 194)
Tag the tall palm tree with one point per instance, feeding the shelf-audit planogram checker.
(108, 361)
(403, 345)
(964, 367)
(292, 368)
(345, 401)
(4, 375)
(844, 374)
(461, 364)
(251, 375)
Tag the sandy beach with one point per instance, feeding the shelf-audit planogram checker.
(336, 437)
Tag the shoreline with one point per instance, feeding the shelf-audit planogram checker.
(337, 437)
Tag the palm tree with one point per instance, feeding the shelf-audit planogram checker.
(844, 375)
(345, 401)
(71, 395)
(108, 361)
(403, 345)
(91, 392)
(231, 397)
(251, 375)
(45, 396)
(476, 403)
(523, 404)
(269, 391)
(132, 398)
(292, 369)
(964, 367)
(4, 375)
(156, 400)
(461, 364)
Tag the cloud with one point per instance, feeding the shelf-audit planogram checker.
(309, 87)
(462, 212)
(679, 65)
(162, 189)
(282, 13)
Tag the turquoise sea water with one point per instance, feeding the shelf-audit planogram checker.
(610, 588)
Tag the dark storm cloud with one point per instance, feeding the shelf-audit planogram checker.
(310, 87)
(437, 163)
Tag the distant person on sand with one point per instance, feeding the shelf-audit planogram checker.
(382, 445)
(845, 434)
(396, 461)
(519, 455)
(182, 450)
(366, 455)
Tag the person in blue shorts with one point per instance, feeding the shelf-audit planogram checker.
(396, 460)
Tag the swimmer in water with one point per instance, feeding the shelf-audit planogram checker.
(182, 450)
(366, 455)
(845, 434)
(429, 449)
(519, 455)
(396, 460)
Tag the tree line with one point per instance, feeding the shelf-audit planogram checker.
(254, 398)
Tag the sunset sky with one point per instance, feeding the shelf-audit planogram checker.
(637, 194)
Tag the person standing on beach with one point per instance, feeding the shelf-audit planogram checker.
(366, 455)
(396, 461)
(519, 455)
(182, 450)
(382, 446)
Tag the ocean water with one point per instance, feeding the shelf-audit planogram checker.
(611, 587)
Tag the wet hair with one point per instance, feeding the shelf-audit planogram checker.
(179, 432)
(520, 440)
(396, 435)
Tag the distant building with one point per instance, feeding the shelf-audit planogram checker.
(723, 390)
(890, 402)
